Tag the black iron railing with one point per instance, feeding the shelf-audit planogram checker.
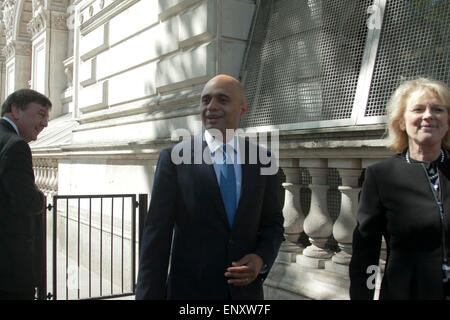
(89, 247)
(41, 247)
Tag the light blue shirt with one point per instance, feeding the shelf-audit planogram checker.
(215, 148)
(13, 124)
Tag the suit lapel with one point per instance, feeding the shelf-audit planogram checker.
(249, 173)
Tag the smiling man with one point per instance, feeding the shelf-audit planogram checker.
(24, 115)
(224, 214)
(223, 105)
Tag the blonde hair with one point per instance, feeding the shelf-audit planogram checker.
(397, 138)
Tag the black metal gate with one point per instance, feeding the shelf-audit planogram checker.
(93, 244)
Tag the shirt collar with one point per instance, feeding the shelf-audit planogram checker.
(13, 124)
(214, 144)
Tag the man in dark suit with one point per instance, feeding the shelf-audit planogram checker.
(24, 114)
(219, 221)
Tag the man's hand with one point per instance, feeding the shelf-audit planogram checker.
(244, 271)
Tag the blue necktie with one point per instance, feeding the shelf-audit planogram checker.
(228, 187)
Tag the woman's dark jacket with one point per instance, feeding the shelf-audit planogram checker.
(397, 202)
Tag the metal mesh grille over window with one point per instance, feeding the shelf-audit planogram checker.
(304, 61)
(415, 41)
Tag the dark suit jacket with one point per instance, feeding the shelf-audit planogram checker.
(186, 198)
(21, 203)
(397, 202)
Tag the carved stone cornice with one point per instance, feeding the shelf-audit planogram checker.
(59, 20)
(39, 22)
(18, 48)
(43, 18)
(52, 5)
(95, 13)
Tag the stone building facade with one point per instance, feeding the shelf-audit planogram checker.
(123, 75)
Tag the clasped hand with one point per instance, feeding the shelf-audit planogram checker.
(244, 271)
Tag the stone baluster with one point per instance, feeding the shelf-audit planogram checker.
(42, 179)
(55, 178)
(292, 212)
(52, 178)
(37, 172)
(47, 176)
(317, 225)
(349, 171)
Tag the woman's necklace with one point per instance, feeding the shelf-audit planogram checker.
(433, 174)
(409, 161)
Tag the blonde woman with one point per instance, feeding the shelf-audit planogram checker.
(406, 199)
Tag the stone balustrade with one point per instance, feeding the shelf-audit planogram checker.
(46, 175)
(318, 225)
(321, 199)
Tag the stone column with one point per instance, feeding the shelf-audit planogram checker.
(48, 30)
(318, 225)
(292, 212)
(18, 65)
(350, 171)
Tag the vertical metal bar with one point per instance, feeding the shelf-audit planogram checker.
(112, 243)
(123, 225)
(101, 246)
(243, 72)
(90, 239)
(54, 262)
(67, 248)
(42, 222)
(78, 251)
(133, 243)
(143, 207)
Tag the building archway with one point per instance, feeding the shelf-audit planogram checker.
(17, 50)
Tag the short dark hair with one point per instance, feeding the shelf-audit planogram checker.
(22, 98)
